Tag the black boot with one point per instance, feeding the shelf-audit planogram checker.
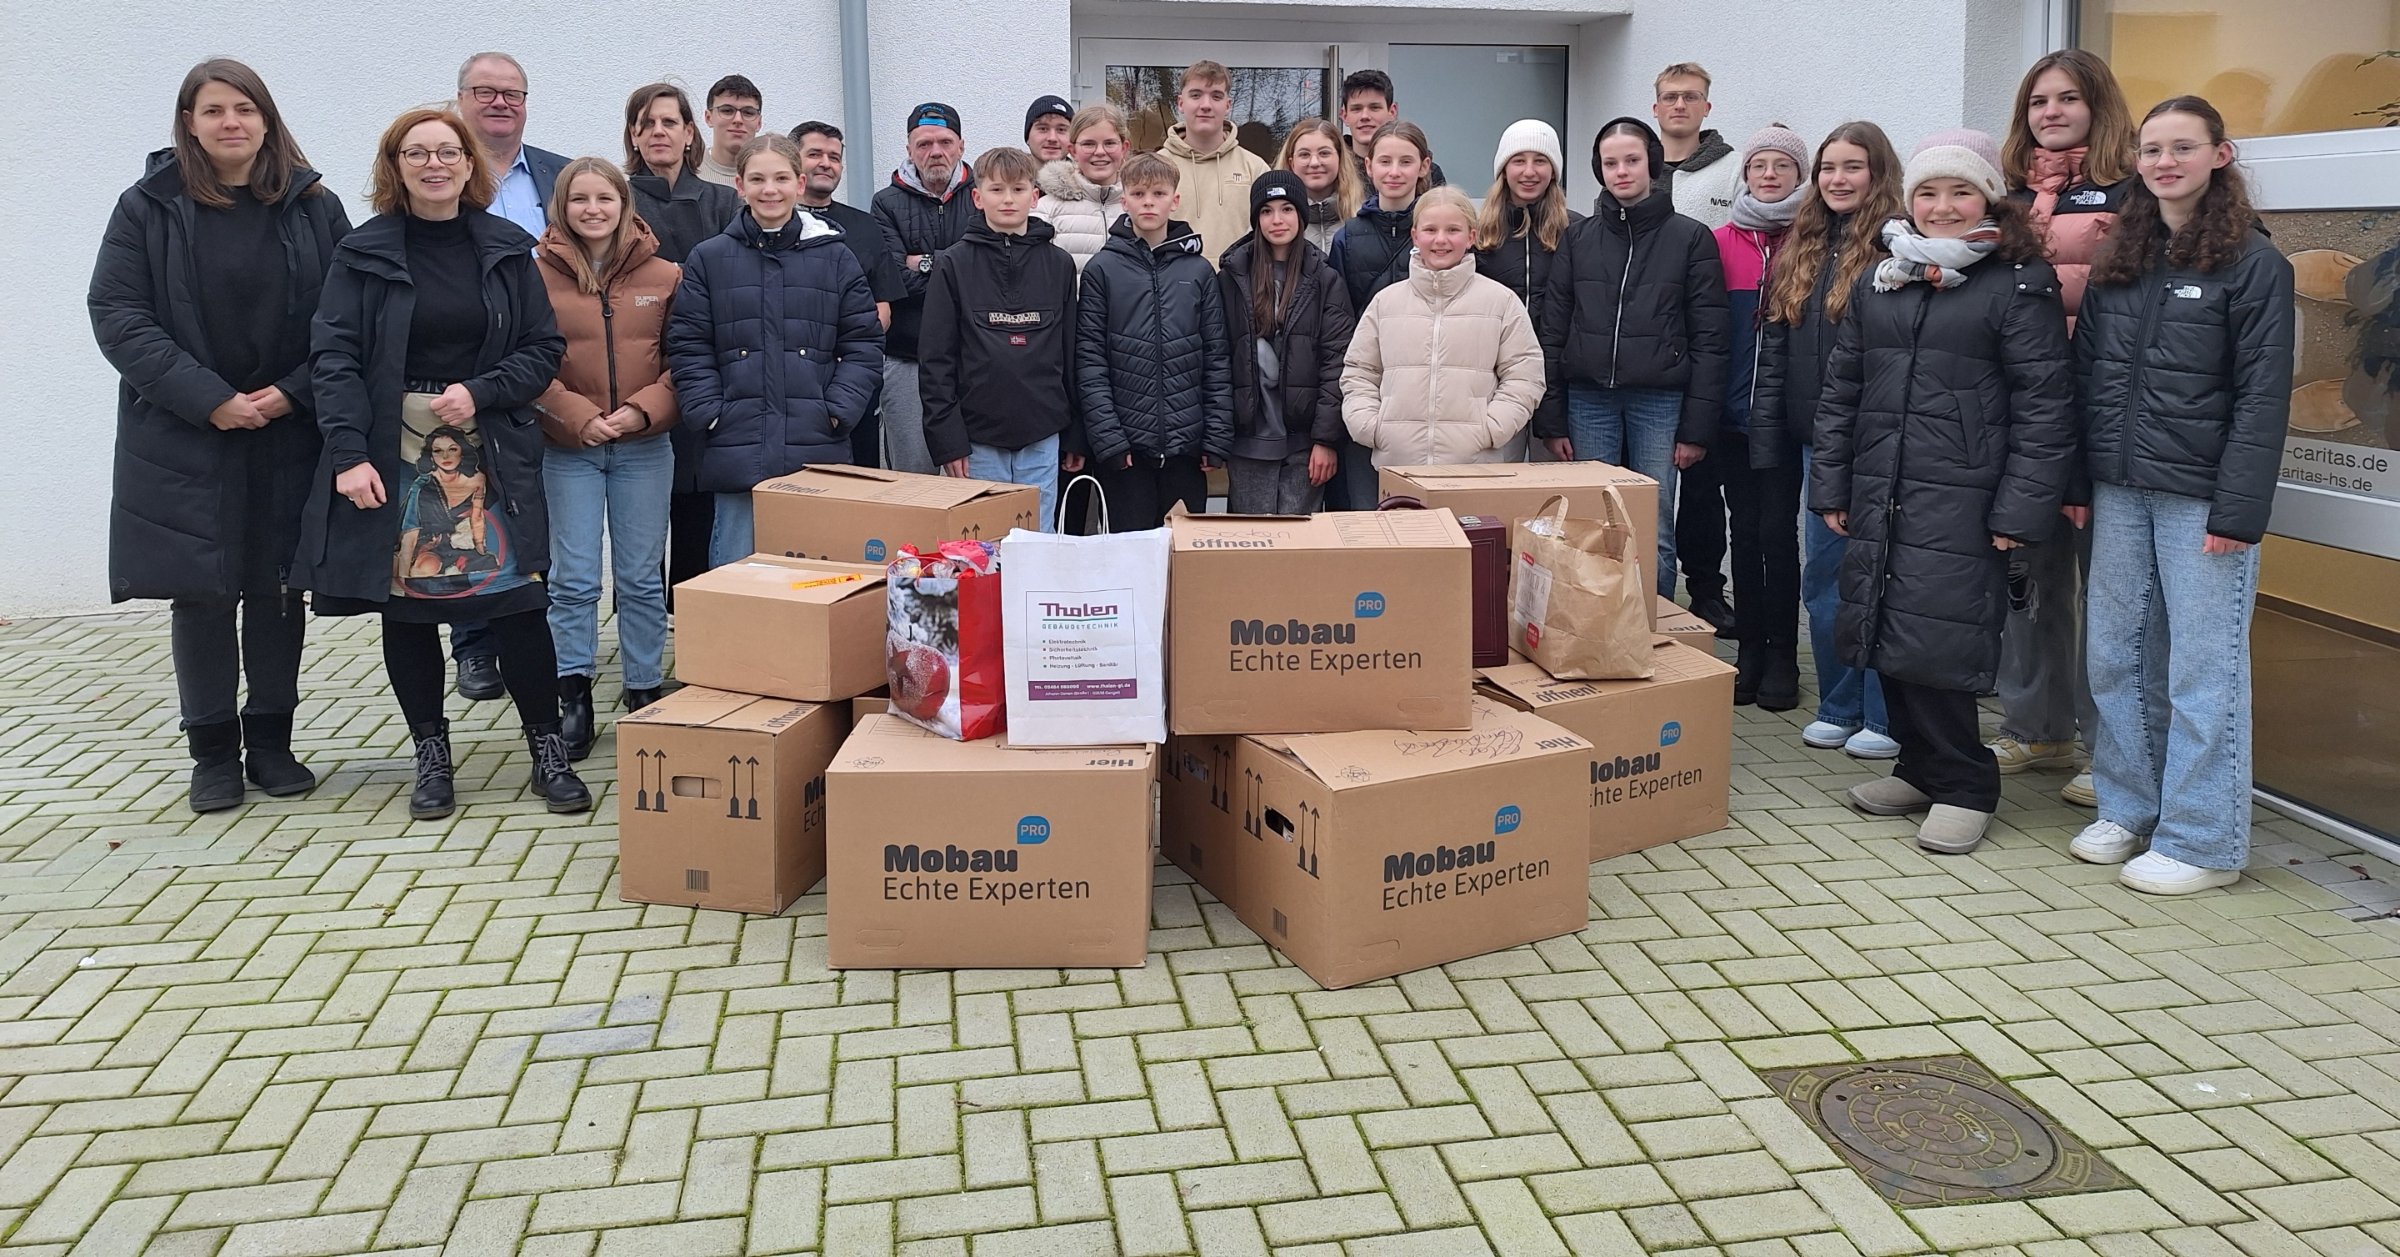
(1749, 665)
(1779, 684)
(433, 797)
(267, 744)
(216, 765)
(553, 775)
(1716, 611)
(635, 700)
(575, 724)
(479, 679)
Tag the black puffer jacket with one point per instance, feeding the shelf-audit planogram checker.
(1521, 263)
(1948, 418)
(1309, 347)
(1371, 251)
(358, 360)
(684, 215)
(1151, 368)
(185, 519)
(916, 221)
(1791, 369)
(2186, 383)
(1636, 299)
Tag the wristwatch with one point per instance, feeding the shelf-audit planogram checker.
(924, 264)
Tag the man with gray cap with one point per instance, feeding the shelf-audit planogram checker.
(926, 209)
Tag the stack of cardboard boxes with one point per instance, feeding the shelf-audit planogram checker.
(1339, 773)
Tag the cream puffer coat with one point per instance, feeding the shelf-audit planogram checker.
(1443, 369)
(1080, 209)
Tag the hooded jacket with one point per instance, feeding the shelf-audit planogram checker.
(684, 215)
(1636, 299)
(1309, 346)
(1371, 251)
(1948, 418)
(914, 220)
(1704, 183)
(1444, 369)
(998, 342)
(358, 367)
(1152, 374)
(616, 338)
(182, 519)
(2186, 383)
(1081, 210)
(1215, 186)
(2073, 217)
(775, 349)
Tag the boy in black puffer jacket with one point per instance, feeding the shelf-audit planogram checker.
(997, 347)
(1151, 369)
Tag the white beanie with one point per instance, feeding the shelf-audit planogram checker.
(1529, 135)
(1956, 154)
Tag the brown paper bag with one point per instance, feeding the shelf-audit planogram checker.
(1578, 604)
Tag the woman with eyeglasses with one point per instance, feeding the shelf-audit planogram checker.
(201, 299)
(434, 337)
(663, 151)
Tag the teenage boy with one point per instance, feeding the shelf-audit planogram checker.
(996, 351)
(1701, 173)
(1370, 104)
(733, 112)
(1046, 122)
(1151, 366)
(922, 211)
(1214, 169)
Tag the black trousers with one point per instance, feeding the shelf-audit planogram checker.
(1700, 509)
(412, 657)
(1941, 745)
(1763, 506)
(690, 518)
(211, 655)
(1139, 496)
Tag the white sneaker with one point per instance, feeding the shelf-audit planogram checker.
(1826, 735)
(2155, 874)
(1868, 744)
(2079, 791)
(2105, 842)
(2016, 756)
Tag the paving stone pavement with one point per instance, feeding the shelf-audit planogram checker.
(313, 1027)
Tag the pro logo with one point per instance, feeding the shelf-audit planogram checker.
(1033, 830)
(1670, 733)
(874, 550)
(1367, 605)
(1506, 820)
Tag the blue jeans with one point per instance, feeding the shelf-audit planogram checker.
(732, 535)
(2172, 756)
(1635, 429)
(1846, 696)
(626, 486)
(1036, 465)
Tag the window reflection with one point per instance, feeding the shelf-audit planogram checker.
(2271, 68)
(2345, 420)
(1267, 102)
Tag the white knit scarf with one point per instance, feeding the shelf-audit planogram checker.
(1941, 262)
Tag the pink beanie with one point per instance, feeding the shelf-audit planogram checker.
(1956, 154)
(1776, 138)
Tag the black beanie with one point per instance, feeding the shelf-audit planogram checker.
(1650, 141)
(1045, 106)
(1276, 185)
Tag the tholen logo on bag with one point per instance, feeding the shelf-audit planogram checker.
(1033, 831)
(1670, 733)
(1367, 605)
(1506, 820)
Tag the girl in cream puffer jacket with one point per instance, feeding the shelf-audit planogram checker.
(1081, 210)
(1444, 367)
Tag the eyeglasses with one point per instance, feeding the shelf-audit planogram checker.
(2149, 154)
(486, 95)
(747, 113)
(1681, 98)
(446, 155)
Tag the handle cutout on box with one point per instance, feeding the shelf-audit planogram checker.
(696, 787)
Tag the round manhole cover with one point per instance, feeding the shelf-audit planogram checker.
(1937, 1129)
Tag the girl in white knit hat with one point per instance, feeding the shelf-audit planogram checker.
(1945, 440)
(1523, 221)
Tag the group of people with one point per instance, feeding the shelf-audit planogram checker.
(1959, 415)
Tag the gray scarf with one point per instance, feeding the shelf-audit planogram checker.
(1771, 217)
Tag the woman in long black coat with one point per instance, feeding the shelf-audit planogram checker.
(433, 338)
(201, 299)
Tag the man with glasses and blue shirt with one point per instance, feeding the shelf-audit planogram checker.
(491, 97)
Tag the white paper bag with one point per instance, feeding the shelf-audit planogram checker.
(1084, 624)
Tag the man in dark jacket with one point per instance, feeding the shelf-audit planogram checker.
(998, 342)
(821, 175)
(1151, 368)
(926, 209)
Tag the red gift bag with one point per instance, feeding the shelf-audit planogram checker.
(942, 639)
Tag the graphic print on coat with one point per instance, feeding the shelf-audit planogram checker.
(451, 546)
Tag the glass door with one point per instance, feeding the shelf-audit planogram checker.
(1274, 85)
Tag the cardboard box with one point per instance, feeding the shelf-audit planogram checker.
(1363, 855)
(865, 514)
(1670, 618)
(790, 628)
(721, 799)
(1318, 624)
(969, 855)
(1663, 748)
(1514, 491)
(866, 705)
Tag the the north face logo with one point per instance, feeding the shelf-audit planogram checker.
(2090, 196)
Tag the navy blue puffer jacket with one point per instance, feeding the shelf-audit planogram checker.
(1152, 371)
(775, 350)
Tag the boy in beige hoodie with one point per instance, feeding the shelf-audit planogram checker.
(1216, 170)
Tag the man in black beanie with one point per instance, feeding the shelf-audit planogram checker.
(1046, 123)
(926, 209)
